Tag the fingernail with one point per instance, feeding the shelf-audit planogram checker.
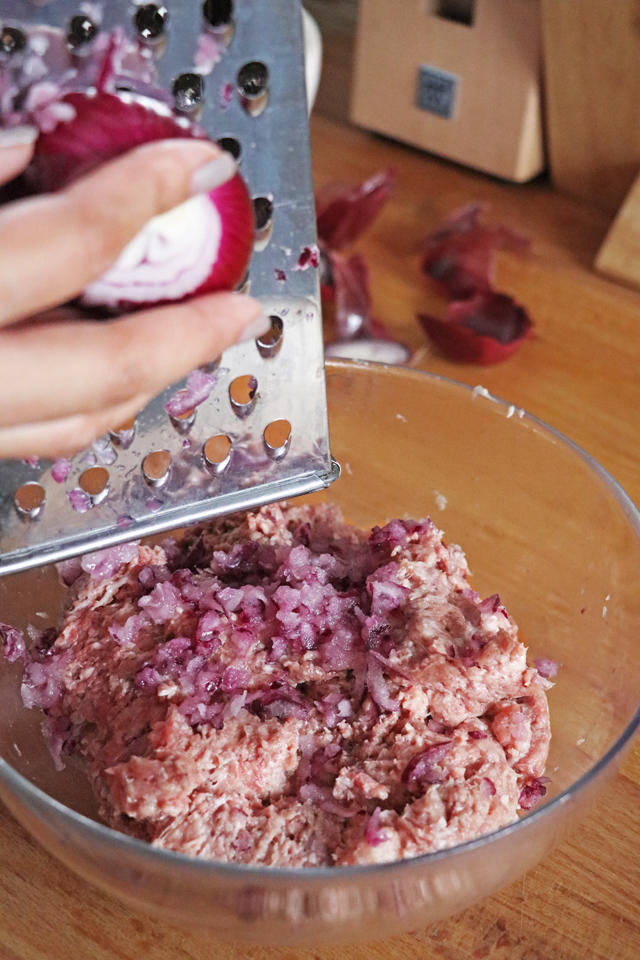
(18, 136)
(256, 328)
(213, 174)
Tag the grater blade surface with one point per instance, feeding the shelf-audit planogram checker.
(287, 391)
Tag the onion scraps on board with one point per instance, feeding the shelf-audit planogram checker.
(481, 325)
(343, 214)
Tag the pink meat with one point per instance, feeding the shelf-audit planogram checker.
(284, 688)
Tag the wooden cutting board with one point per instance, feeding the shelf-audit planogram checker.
(592, 75)
(619, 255)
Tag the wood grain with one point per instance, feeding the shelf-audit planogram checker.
(496, 124)
(581, 375)
(619, 255)
(592, 73)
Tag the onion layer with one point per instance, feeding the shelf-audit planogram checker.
(202, 246)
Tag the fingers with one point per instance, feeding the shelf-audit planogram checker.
(53, 246)
(58, 370)
(16, 150)
(64, 437)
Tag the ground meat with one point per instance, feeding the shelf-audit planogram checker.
(283, 688)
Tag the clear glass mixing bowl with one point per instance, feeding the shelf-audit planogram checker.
(542, 524)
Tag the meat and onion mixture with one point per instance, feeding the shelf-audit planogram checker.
(283, 688)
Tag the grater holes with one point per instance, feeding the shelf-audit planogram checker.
(123, 434)
(270, 342)
(156, 468)
(188, 93)
(243, 393)
(217, 13)
(80, 32)
(95, 483)
(150, 21)
(277, 438)
(253, 87)
(29, 500)
(263, 213)
(218, 18)
(183, 421)
(217, 453)
(12, 41)
(245, 284)
(232, 146)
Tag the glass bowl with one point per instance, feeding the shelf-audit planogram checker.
(542, 524)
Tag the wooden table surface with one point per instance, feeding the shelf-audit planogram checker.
(581, 374)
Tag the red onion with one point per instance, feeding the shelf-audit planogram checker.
(435, 726)
(385, 591)
(309, 257)
(151, 574)
(323, 796)
(208, 53)
(344, 214)
(390, 665)
(488, 787)
(374, 835)
(198, 389)
(377, 685)
(236, 677)
(13, 643)
(61, 469)
(162, 604)
(69, 571)
(79, 500)
(41, 681)
(485, 329)
(546, 668)
(461, 254)
(129, 630)
(201, 246)
(532, 793)
(421, 767)
(335, 708)
(103, 564)
(209, 627)
(490, 604)
(481, 325)
(234, 706)
(282, 701)
(56, 731)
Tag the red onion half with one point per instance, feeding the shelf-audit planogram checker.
(201, 246)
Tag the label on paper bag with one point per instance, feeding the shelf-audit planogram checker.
(437, 91)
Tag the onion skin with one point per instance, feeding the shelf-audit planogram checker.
(485, 329)
(105, 126)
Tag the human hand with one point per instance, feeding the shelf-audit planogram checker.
(65, 379)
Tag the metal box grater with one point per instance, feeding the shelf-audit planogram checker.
(255, 98)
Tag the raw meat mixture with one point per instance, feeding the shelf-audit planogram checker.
(284, 688)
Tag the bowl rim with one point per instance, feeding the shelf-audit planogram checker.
(311, 875)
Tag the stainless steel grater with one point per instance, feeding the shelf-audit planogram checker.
(262, 435)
